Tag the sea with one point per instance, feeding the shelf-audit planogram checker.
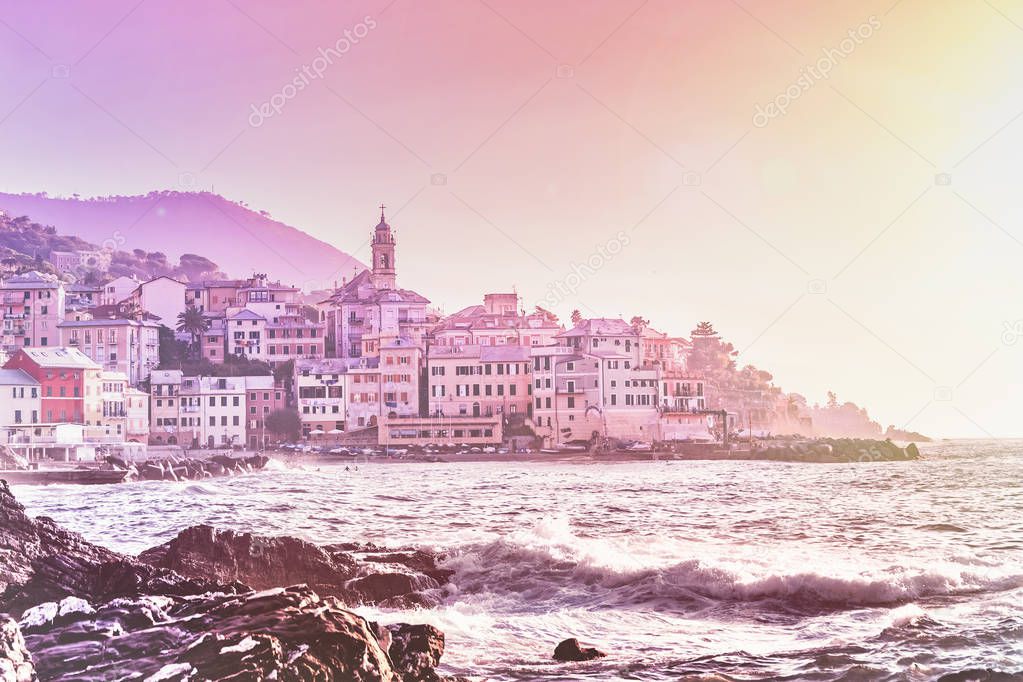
(702, 570)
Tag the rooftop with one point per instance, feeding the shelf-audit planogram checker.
(31, 280)
(601, 326)
(16, 377)
(59, 357)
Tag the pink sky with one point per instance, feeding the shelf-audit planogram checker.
(819, 243)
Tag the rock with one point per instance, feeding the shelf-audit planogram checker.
(380, 587)
(283, 634)
(15, 660)
(40, 562)
(258, 561)
(415, 560)
(415, 651)
(569, 650)
(89, 614)
(356, 574)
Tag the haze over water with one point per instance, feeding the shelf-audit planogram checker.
(902, 570)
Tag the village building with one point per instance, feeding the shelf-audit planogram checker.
(320, 395)
(33, 304)
(478, 381)
(264, 397)
(20, 403)
(370, 312)
(69, 383)
(118, 345)
(497, 322)
(161, 296)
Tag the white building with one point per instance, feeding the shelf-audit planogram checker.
(118, 289)
(246, 334)
(320, 390)
(197, 411)
(223, 410)
(161, 296)
(20, 402)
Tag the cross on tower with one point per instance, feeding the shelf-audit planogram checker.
(382, 207)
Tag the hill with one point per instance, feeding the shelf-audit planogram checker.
(27, 245)
(238, 239)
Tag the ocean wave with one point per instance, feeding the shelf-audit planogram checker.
(549, 562)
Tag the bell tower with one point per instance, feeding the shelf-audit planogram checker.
(384, 274)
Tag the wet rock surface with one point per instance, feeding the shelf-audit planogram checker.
(416, 650)
(87, 613)
(15, 660)
(570, 650)
(356, 574)
(290, 633)
(40, 562)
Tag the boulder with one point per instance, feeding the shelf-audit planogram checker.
(284, 634)
(380, 587)
(15, 660)
(569, 650)
(89, 614)
(415, 651)
(258, 561)
(356, 574)
(40, 561)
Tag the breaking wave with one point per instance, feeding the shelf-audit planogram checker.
(548, 562)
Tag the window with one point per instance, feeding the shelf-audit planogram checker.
(571, 402)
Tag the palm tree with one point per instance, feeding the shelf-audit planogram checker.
(191, 321)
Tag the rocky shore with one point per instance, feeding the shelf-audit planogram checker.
(209, 604)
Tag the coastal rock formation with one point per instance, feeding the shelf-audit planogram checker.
(259, 562)
(355, 574)
(15, 660)
(570, 650)
(90, 614)
(415, 650)
(284, 634)
(40, 561)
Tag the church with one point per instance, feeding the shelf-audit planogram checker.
(370, 311)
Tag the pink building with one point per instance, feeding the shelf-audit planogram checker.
(264, 396)
(33, 306)
(498, 322)
(117, 345)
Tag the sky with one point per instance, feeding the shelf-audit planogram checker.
(833, 185)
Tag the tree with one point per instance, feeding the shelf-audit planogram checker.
(638, 321)
(704, 329)
(283, 373)
(192, 322)
(284, 422)
(172, 351)
(577, 317)
(546, 314)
